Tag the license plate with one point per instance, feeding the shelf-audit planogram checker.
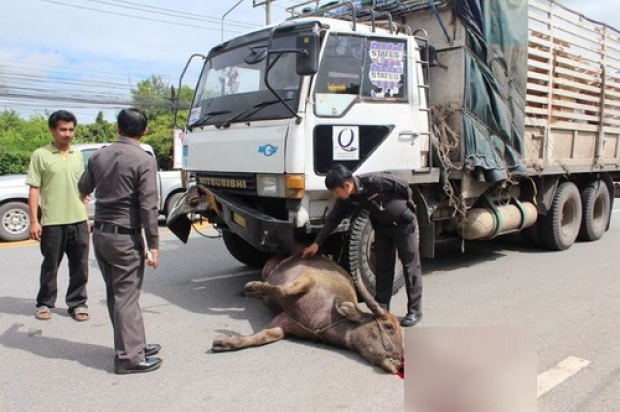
(238, 219)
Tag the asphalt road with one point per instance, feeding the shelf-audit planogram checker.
(570, 300)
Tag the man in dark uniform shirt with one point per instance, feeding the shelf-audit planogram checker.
(392, 215)
(125, 177)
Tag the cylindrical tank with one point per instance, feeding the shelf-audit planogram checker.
(482, 223)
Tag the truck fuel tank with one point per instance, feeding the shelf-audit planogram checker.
(483, 223)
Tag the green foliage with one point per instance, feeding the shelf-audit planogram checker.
(153, 96)
(20, 137)
(99, 132)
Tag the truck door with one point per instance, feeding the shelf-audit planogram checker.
(367, 105)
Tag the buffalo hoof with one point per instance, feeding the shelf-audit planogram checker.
(253, 289)
(223, 343)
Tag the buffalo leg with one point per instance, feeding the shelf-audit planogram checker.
(296, 287)
(228, 343)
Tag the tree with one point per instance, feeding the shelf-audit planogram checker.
(18, 139)
(99, 132)
(153, 96)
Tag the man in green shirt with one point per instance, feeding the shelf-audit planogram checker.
(53, 174)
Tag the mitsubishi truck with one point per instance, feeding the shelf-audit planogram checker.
(503, 117)
(14, 214)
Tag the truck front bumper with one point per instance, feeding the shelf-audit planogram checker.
(191, 202)
(262, 231)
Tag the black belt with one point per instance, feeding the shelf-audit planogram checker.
(394, 223)
(117, 230)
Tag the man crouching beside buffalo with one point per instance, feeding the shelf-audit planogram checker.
(392, 215)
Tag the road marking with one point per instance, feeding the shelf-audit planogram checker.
(21, 243)
(234, 275)
(559, 373)
(163, 231)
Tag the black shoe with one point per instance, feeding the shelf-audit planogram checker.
(147, 365)
(411, 319)
(152, 349)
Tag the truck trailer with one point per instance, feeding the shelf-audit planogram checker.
(503, 117)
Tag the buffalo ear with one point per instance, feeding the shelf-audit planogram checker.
(349, 310)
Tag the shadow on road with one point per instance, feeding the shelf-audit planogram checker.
(17, 306)
(92, 356)
(448, 257)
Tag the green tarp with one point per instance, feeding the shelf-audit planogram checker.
(495, 86)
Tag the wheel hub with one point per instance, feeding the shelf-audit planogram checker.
(15, 221)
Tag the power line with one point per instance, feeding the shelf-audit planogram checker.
(20, 64)
(173, 13)
(135, 17)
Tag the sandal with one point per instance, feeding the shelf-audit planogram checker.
(43, 313)
(80, 314)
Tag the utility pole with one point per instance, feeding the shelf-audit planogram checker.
(267, 4)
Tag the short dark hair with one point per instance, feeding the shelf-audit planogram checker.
(336, 176)
(61, 116)
(132, 123)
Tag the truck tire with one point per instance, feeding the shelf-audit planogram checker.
(243, 251)
(596, 211)
(172, 200)
(362, 256)
(14, 221)
(560, 226)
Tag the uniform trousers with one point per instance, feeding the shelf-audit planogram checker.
(403, 238)
(57, 240)
(121, 260)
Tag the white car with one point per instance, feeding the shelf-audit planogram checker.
(14, 214)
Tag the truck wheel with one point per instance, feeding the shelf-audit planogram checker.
(14, 221)
(560, 226)
(362, 255)
(172, 200)
(243, 251)
(596, 211)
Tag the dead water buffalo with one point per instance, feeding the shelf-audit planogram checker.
(315, 299)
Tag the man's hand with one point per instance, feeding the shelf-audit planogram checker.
(35, 231)
(152, 258)
(310, 251)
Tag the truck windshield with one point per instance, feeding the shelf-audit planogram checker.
(232, 82)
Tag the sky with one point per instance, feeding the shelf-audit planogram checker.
(86, 55)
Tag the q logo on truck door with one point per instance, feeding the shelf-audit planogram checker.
(345, 141)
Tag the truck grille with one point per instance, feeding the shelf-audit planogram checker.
(230, 182)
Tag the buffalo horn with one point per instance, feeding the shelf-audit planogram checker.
(372, 304)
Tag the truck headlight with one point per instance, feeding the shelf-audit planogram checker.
(267, 185)
(288, 186)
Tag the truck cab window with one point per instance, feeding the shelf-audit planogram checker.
(232, 84)
(340, 75)
(385, 72)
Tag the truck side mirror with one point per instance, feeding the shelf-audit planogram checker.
(308, 54)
